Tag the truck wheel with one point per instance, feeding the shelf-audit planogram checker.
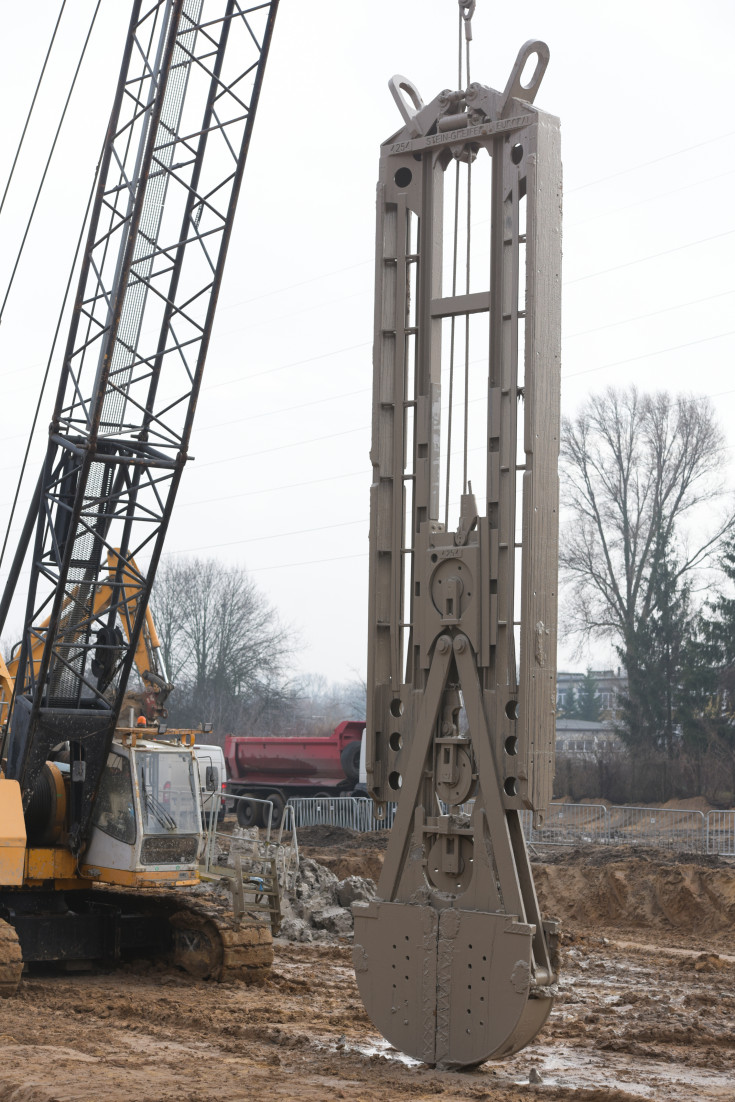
(350, 759)
(248, 813)
(278, 805)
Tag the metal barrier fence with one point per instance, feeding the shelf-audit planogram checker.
(663, 828)
(671, 829)
(350, 812)
(721, 833)
(568, 825)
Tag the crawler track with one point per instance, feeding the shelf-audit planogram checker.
(193, 931)
(210, 944)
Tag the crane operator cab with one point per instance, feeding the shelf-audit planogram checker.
(146, 826)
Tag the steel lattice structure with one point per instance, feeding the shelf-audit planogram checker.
(162, 216)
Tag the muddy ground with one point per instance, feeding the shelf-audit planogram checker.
(646, 1008)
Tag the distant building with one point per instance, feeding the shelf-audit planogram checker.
(584, 738)
(612, 686)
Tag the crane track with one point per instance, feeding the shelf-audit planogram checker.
(11, 960)
(204, 938)
(210, 944)
(207, 941)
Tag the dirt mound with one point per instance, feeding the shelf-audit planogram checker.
(694, 803)
(598, 888)
(345, 852)
(318, 906)
(635, 893)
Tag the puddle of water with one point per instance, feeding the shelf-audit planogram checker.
(383, 1048)
(583, 1068)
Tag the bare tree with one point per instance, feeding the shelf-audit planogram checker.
(224, 645)
(640, 472)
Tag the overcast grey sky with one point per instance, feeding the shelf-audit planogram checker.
(281, 478)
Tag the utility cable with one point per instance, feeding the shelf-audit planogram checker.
(648, 355)
(30, 109)
(49, 361)
(48, 162)
(647, 164)
(653, 256)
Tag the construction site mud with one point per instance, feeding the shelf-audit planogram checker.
(646, 1007)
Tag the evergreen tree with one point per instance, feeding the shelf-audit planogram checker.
(587, 704)
(707, 696)
(568, 711)
(654, 660)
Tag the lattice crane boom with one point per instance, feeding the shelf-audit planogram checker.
(160, 224)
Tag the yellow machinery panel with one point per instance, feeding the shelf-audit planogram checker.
(47, 863)
(12, 834)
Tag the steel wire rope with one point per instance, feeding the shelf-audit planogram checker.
(30, 109)
(66, 291)
(467, 326)
(451, 345)
(48, 368)
(464, 24)
(48, 163)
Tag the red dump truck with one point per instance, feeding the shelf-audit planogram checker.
(277, 768)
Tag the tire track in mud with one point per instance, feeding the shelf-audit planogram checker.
(629, 1024)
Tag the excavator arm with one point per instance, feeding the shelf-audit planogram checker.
(147, 655)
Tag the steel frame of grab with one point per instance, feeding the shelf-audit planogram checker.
(454, 961)
(180, 129)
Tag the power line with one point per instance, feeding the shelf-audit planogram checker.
(294, 286)
(647, 164)
(272, 536)
(284, 409)
(652, 198)
(282, 447)
(305, 562)
(642, 259)
(650, 314)
(284, 367)
(274, 489)
(648, 355)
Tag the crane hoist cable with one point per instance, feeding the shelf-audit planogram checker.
(48, 163)
(70, 277)
(42, 389)
(30, 112)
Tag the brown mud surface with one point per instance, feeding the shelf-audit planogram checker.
(646, 1008)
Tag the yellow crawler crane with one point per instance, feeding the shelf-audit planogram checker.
(146, 833)
(97, 821)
